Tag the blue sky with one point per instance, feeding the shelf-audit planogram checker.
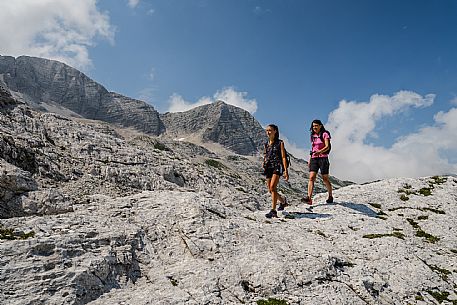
(381, 74)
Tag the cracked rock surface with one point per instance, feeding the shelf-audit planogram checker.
(92, 214)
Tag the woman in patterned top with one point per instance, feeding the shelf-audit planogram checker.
(275, 165)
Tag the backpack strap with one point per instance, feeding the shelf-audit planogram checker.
(321, 136)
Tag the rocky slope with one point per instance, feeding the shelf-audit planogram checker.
(48, 85)
(94, 214)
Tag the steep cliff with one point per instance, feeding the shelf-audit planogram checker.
(47, 84)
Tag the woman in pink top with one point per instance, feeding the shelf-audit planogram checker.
(318, 159)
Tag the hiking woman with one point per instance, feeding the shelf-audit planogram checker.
(318, 159)
(274, 165)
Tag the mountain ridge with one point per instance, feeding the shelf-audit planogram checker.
(49, 85)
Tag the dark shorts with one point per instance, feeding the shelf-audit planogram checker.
(319, 163)
(270, 171)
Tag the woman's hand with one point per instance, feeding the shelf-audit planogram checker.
(286, 175)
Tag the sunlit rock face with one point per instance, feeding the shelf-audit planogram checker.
(91, 213)
(232, 127)
(49, 85)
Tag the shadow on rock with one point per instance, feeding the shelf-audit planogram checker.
(358, 207)
(309, 215)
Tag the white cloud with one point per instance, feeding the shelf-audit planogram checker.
(178, 104)
(228, 95)
(454, 101)
(56, 29)
(296, 151)
(133, 3)
(422, 153)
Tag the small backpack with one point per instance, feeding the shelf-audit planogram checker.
(287, 158)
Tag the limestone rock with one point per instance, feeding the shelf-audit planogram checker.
(105, 215)
(48, 84)
(232, 127)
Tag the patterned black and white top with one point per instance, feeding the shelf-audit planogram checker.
(273, 156)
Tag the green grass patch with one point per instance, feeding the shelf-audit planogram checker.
(398, 235)
(403, 197)
(442, 272)
(236, 158)
(425, 191)
(375, 205)
(407, 189)
(271, 301)
(421, 233)
(440, 296)
(419, 297)
(414, 224)
(319, 232)
(161, 146)
(438, 180)
(436, 211)
(430, 238)
(215, 163)
(8, 234)
(380, 235)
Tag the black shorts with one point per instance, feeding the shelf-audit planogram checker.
(270, 171)
(319, 163)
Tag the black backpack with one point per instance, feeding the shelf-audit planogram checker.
(287, 158)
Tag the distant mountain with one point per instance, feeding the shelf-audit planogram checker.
(233, 127)
(52, 86)
(49, 85)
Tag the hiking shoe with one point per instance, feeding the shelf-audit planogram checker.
(329, 199)
(283, 205)
(271, 214)
(307, 200)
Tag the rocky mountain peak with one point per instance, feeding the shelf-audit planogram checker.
(219, 122)
(49, 85)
